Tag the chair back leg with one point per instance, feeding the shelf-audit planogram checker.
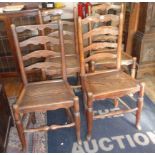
(140, 105)
(89, 116)
(20, 128)
(116, 102)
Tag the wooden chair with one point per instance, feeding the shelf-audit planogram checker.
(98, 11)
(112, 83)
(71, 48)
(45, 95)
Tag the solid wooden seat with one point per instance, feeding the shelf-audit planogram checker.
(45, 95)
(72, 64)
(109, 83)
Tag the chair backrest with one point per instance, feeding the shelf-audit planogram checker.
(38, 40)
(112, 37)
(69, 31)
(99, 9)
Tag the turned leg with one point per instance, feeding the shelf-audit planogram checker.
(89, 115)
(69, 115)
(84, 96)
(140, 105)
(77, 119)
(20, 128)
(85, 102)
(116, 102)
(133, 69)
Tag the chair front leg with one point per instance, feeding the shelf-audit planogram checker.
(140, 105)
(85, 102)
(84, 96)
(116, 102)
(77, 119)
(89, 115)
(20, 127)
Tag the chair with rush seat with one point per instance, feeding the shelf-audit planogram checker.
(44, 95)
(111, 83)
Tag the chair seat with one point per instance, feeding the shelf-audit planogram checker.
(72, 64)
(42, 95)
(110, 83)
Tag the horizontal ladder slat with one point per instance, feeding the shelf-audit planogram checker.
(95, 46)
(42, 65)
(101, 18)
(101, 30)
(39, 54)
(42, 40)
(100, 56)
(52, 26)
(105, 38)
(106, 7)
(39, 40)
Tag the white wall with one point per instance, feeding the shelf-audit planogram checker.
(68, 10)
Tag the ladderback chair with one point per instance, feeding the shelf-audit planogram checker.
(109, 10)
(44, 95)
(111, 83)
(70, 45)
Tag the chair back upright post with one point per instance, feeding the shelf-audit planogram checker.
(42, 31)
(76, 30)
(90, 27)
(80, 38)
(63, 59)
(19, 55)
(120, 36)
